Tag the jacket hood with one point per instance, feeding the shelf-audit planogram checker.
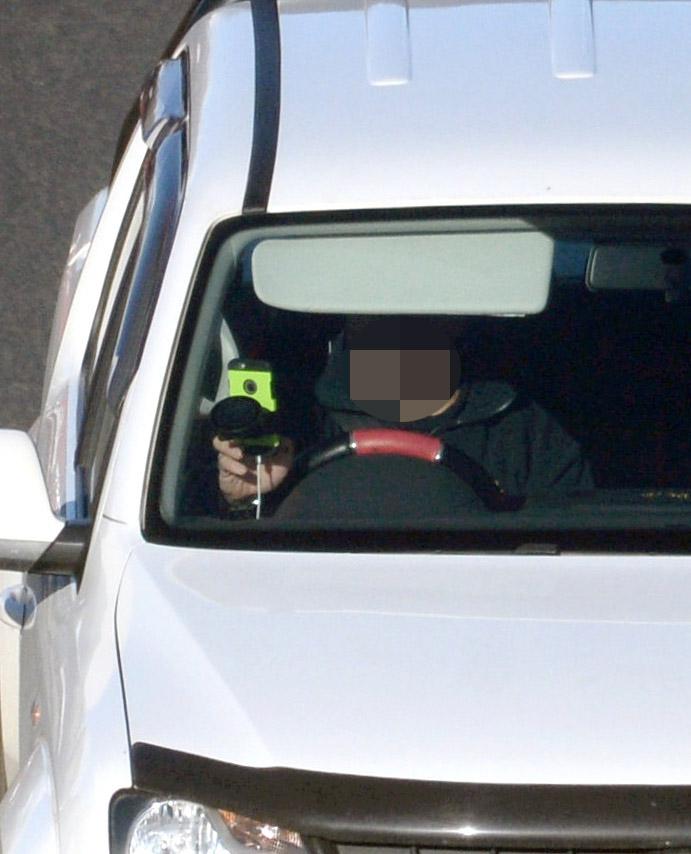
(480, 400)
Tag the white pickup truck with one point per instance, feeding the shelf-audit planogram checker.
(275, 584)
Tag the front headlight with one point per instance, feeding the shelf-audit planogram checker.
(174, 826)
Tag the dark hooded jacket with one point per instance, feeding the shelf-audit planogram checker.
(517, 443)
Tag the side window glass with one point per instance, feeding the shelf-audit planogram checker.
(123, 257)
(128, 248)
(108, 317)
(127, 307)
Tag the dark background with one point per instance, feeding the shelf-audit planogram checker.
(70, 71)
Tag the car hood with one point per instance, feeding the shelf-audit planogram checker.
(503, 669)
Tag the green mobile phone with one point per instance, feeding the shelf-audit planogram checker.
(253, 378)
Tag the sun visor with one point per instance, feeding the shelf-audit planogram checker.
(478, 273)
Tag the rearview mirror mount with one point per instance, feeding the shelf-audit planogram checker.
(638, 267)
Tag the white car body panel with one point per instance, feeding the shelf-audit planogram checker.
(220, 49)
(27, 524)
(28, 815)
(9, 687)
(427, 667)
(79, 693)
(486, 117)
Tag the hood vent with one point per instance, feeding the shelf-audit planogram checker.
(388, 42)
(572, 39)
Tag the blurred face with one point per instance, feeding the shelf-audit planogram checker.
(401, 369)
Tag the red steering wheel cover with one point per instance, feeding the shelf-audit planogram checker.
(403, 443)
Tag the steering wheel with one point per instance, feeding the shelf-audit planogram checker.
(405, 443)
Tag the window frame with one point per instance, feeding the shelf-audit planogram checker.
(113, 355)
(531, 540)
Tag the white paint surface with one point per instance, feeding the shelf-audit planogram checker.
(431, 667)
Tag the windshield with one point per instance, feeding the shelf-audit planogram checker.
(433, 377)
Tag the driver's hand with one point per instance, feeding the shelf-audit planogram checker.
(237, 471)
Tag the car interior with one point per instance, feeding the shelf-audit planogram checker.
(607, 358)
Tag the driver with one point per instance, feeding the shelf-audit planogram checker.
(405, 372)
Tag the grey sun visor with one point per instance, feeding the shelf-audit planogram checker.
(478, 273)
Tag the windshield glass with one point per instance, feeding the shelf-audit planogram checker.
(433, 376)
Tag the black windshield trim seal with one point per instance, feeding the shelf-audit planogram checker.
(267, 105)
(246, 536)
(355, 809)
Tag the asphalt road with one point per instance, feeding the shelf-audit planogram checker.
(70, 71)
